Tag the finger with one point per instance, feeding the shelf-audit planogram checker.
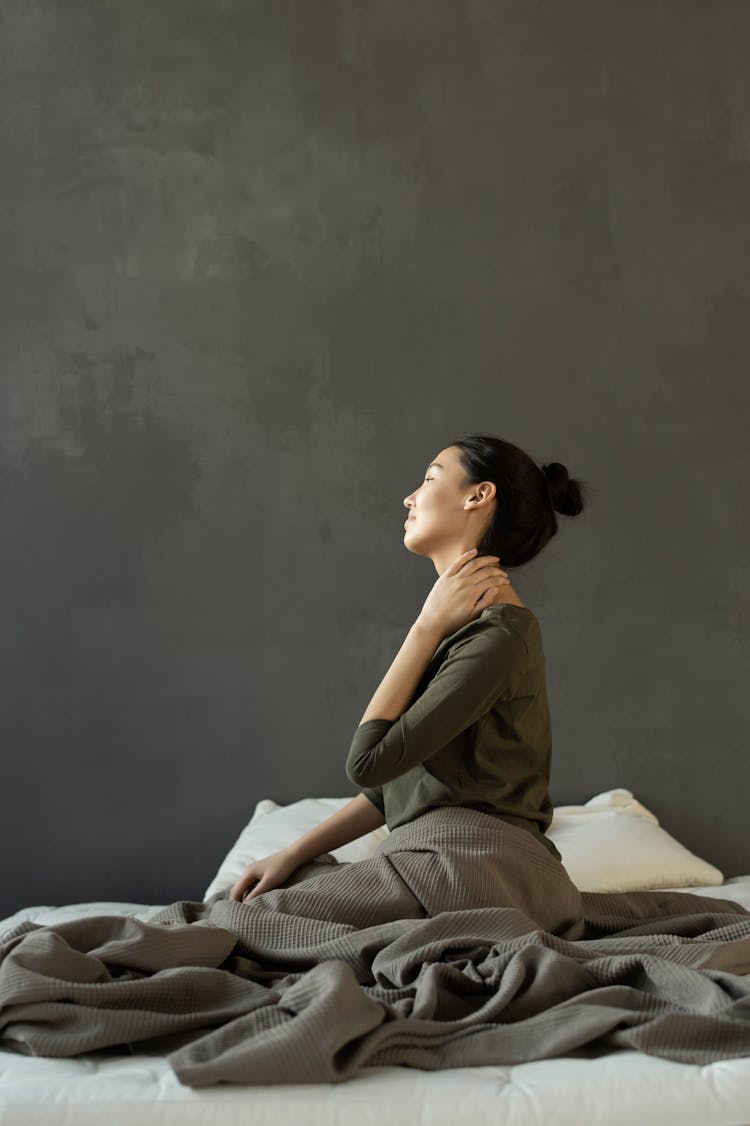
(490, 561)
(240, 888)
(494, 569)
(464, 558)
(257, 890)
(484, 600)
(477, 562)
(490, 570)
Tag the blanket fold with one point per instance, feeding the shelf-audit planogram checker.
(462, 941)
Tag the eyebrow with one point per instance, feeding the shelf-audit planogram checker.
(436, 465)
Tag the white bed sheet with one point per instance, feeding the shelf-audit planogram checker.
(620, 1088)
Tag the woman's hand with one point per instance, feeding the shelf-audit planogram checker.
(268, 873)
(463, 590)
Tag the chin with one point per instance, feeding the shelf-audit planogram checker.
(411, 545)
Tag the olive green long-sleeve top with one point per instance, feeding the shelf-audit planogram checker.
(477, 731)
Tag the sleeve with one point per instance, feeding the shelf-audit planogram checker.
(479, 671)
(375, 795)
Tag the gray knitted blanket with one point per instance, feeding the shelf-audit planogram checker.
(461, 942)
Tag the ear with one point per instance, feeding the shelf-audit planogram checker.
(486, 490)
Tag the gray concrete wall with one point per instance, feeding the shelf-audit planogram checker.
(260, 262)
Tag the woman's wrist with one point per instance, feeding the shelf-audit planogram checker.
(297, 852)
(354, 820)
(431, 633)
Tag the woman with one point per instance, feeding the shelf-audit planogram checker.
(461, 719)
(429, 952)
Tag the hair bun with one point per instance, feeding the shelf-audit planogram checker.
(564, 491)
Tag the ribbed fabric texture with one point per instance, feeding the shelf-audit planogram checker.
(460, 942)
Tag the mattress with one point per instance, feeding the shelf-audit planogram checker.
(625, 1087)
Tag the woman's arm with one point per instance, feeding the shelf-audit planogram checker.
(479, 670)
(461, 581)
(399, 684)
(354, 820)
(396, 689)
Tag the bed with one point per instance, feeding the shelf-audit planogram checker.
(610, 843)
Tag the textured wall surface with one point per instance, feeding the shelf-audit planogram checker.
(261, 261)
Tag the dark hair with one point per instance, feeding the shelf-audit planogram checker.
(527, 497)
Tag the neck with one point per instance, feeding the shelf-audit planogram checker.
(506, 593)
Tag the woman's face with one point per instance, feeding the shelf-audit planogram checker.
(446, 515)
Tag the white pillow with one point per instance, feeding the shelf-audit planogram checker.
(273, 826)
(612, 843)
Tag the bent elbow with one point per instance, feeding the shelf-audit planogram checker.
(357, 773)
